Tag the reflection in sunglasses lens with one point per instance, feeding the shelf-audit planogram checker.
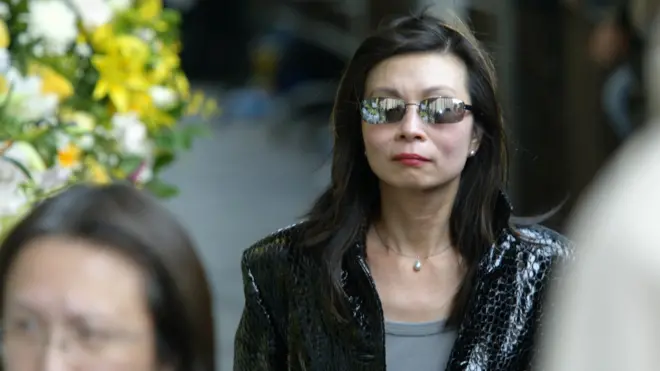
(441, 110)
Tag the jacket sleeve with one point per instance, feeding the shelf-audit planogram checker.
(257, 346)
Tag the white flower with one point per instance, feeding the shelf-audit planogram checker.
(86, 141)
(23, 39)
(112, 159)
(12, 197)
(146, 34)
(38, 50)
(144, 172)
(163, 97)
(53, 178)
(52, 22)
(4, 11)
(11, 177)
(131, 134)
(27, 102)
(26, 155)
(145, 175)
(5, 60)
(120, 5)
(62, 140)
(79, 129)
(93, 13)
(83, 50)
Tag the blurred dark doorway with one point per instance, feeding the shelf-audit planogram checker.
(216, 36)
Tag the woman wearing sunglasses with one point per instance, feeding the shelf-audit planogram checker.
(410, 260)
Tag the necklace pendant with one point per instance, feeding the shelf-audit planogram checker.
(417, 266)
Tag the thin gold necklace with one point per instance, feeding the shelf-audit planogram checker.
(417, 266)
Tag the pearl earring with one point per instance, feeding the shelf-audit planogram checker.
(472, 152)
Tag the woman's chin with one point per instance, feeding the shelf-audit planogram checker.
(410, 184)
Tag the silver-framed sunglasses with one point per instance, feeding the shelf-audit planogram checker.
(438, 110)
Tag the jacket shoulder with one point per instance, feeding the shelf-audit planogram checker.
(543, 242)
(271, 252)
(265, 267)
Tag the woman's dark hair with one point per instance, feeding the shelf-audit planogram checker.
(122, 218)
(352, 201)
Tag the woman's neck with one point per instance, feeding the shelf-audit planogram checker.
(416, 223)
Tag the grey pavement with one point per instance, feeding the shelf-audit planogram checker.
(237, 186)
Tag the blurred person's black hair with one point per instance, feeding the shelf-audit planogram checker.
(125, 220)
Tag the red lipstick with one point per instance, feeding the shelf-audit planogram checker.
(410, 159)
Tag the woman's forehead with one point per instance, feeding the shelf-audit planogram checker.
(418, 76)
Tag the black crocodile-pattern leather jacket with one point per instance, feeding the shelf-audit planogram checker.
(285, 325)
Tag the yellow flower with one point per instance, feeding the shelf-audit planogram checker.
(140, 103)
(4, 87)
(97, 173)
(121, 71)
(69, 156)
(150, 9)
(52, 82)
(144, 106)
(176, 47)
(118, 173)
(182, 86)
(210, 108)
(102, 37)
(196, 104)
(4, 35)
(200, 105)
(166, 65)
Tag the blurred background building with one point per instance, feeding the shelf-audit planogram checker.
(569, 82)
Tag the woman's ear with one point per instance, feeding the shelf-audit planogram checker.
(477, 134)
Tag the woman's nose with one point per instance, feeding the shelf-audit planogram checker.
(412, 127)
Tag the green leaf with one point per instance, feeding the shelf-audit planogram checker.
(187, 134)
(162, 160)
(165, 140)
(161, 189)
(130, 164)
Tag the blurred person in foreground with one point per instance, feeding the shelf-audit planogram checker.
(608, 318)
(103, 278)
(410, 259)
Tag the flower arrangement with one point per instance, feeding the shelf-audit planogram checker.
(90, 91)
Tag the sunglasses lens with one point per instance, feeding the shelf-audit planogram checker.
(433, 111)
(382, 110)
(442, 110)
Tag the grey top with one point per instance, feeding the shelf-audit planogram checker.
(421, 346)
